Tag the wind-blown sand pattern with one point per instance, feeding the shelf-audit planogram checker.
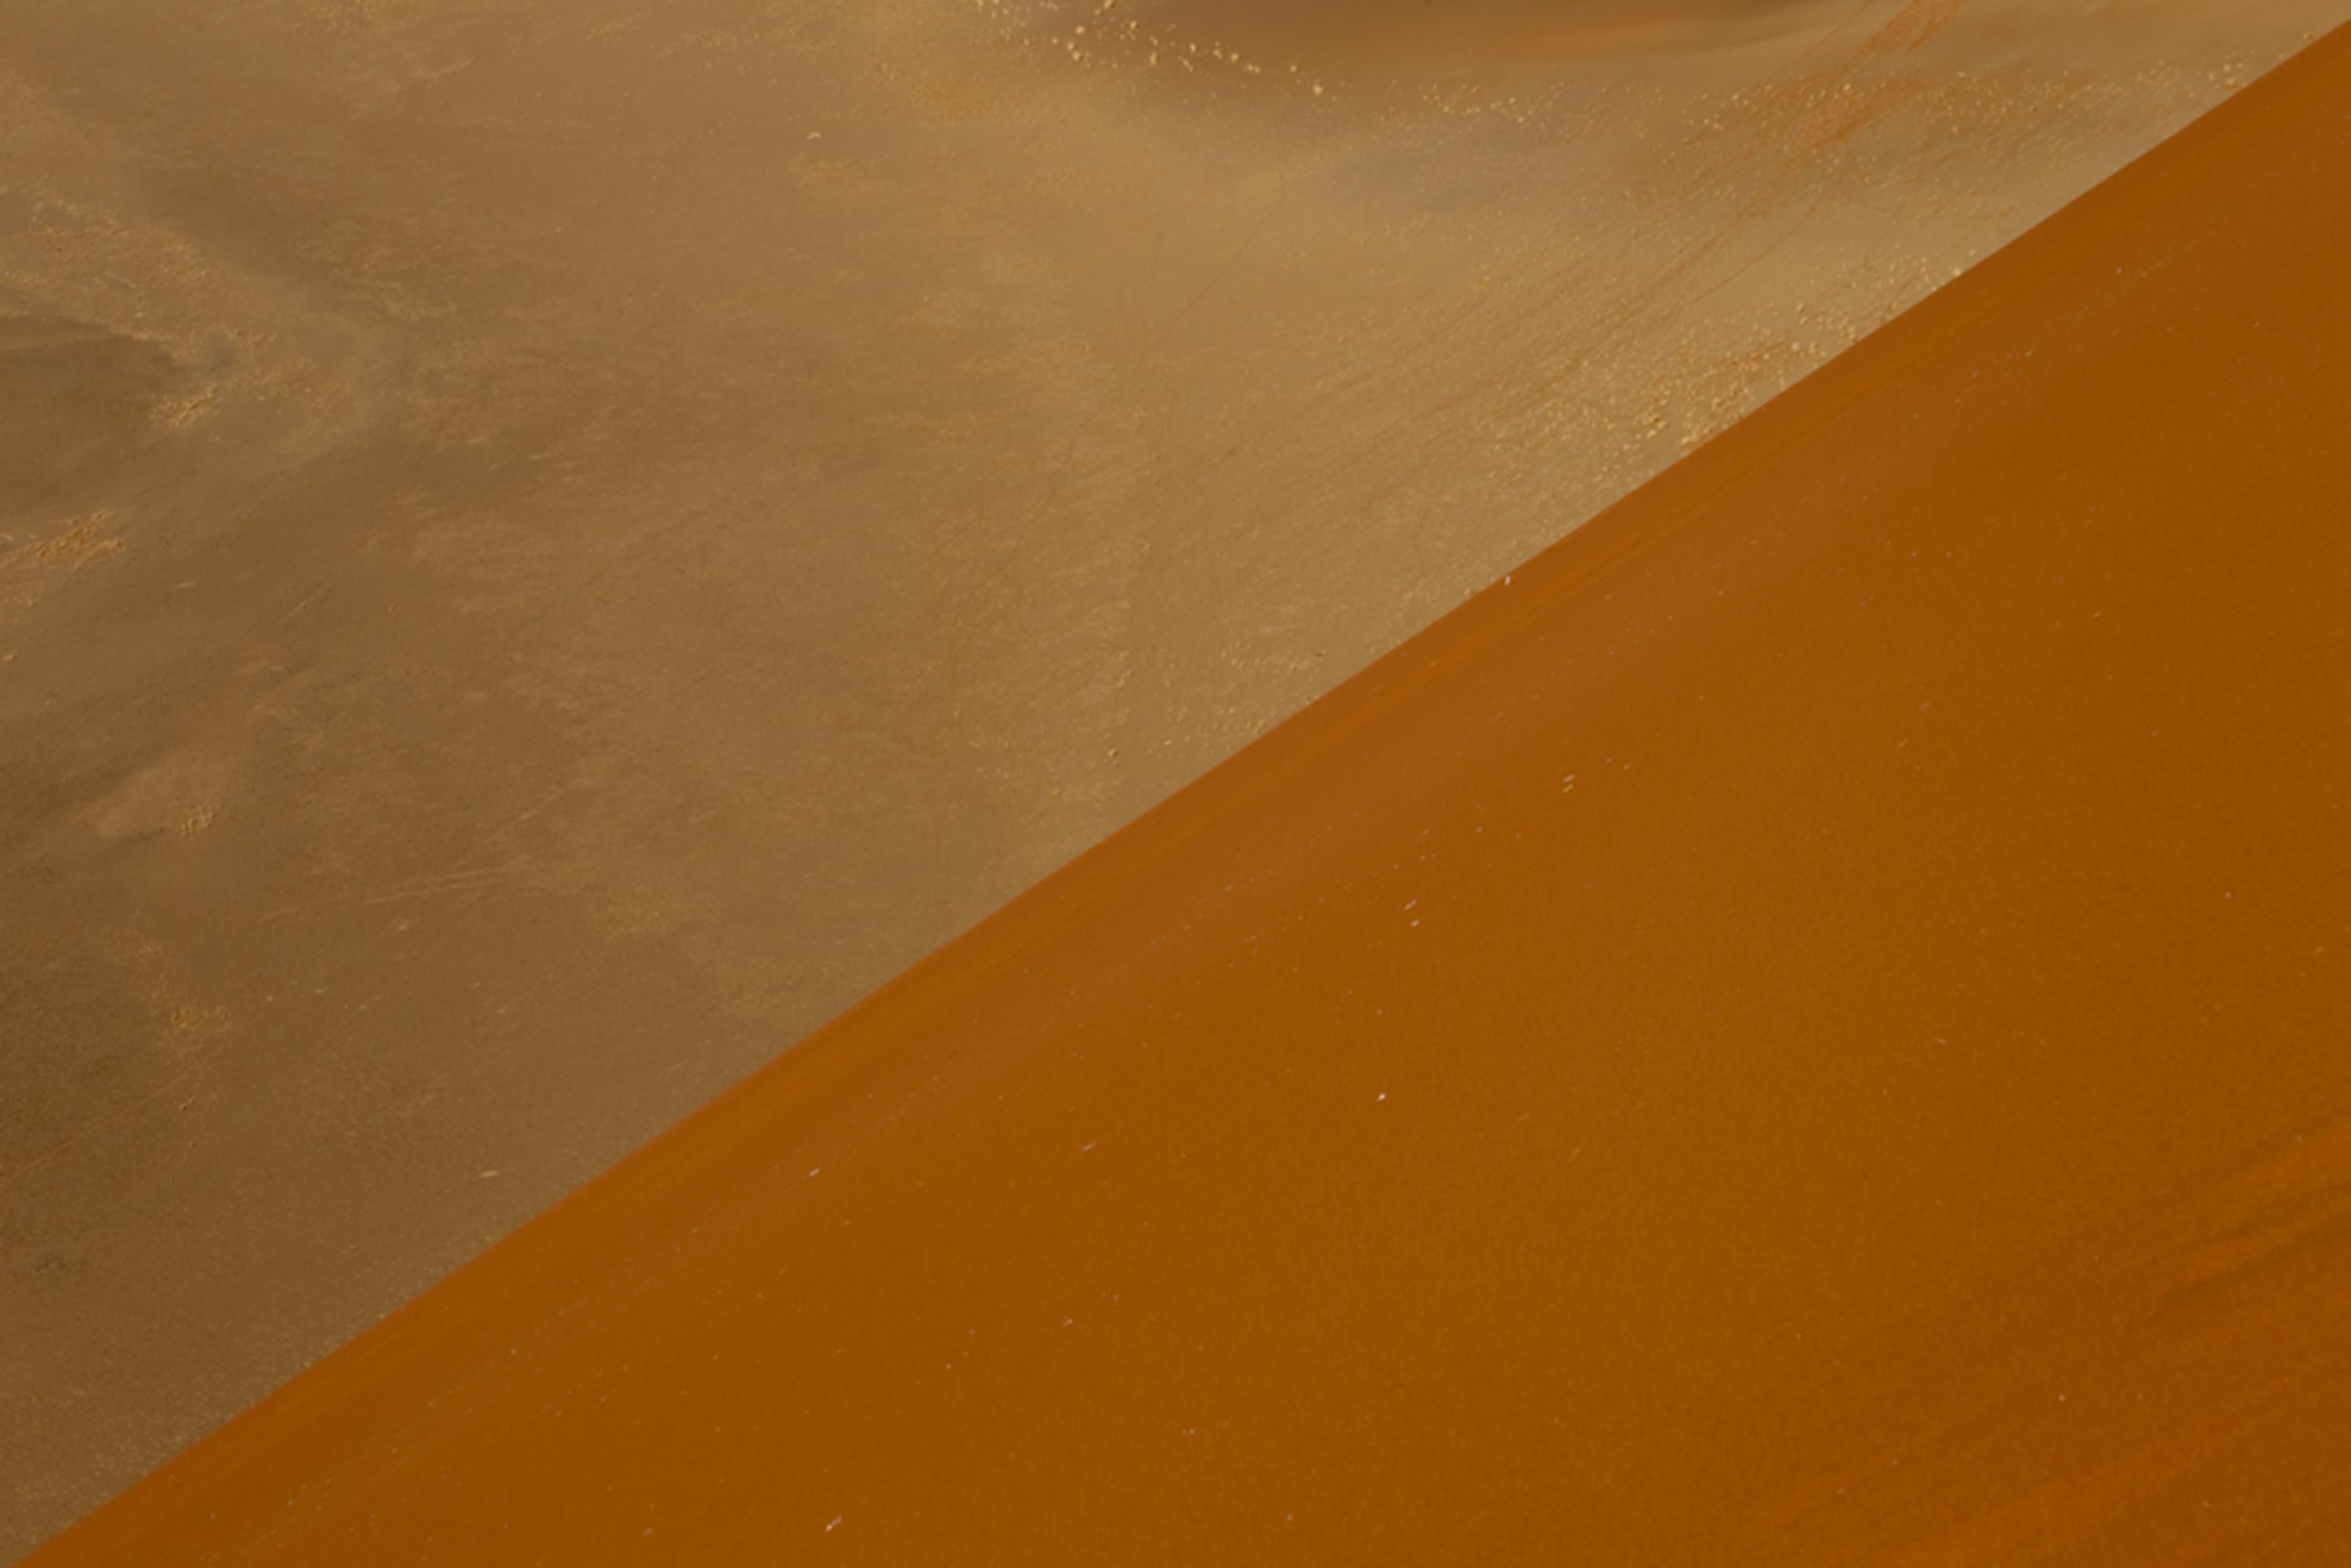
(548, 545)
(1804, 1025)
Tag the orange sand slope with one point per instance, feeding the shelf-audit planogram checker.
(549, 547)
(1806, 1026)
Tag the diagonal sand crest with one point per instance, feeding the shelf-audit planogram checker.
(628, 525)
(1804, 1025)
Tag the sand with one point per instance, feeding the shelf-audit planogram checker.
(1802, 1026)
(551, 546)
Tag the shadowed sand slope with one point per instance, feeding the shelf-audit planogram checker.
(547, 547)
(1803, 1026)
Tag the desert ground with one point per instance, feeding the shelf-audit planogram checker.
(1804, 1025)
(549, 547)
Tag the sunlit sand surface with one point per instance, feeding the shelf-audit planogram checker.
(1414, 36)
(1802, 1026)
(549, 547)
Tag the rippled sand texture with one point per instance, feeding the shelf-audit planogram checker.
(548, 546)
(1804, 1026)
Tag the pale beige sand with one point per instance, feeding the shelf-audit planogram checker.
(551, 544)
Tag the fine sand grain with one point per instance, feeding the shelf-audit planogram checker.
(1804, 1026)
(548, 545)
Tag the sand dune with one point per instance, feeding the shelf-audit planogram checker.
(548, 545)
(1802, 1026)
